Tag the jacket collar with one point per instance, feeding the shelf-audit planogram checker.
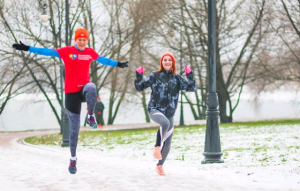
(167, 72)
(78, 48)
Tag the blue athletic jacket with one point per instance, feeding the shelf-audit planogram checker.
(53, 52)
(165, 88)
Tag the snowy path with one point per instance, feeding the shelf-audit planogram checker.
(41, 168)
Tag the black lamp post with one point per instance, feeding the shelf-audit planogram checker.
(181, 120)
(64, 122)
(66, 126)
(212, 148)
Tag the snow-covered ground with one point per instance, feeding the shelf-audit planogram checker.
(258, 158)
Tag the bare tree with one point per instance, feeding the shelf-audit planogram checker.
(239, 34)
(145, 14)
(278, 66)
(21, 24)
(11, 75)
(130, 26)
(138, 31)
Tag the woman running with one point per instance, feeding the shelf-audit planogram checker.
(165, 85)
(78, 87)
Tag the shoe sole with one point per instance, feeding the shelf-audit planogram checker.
(72, 171)
(94, 126)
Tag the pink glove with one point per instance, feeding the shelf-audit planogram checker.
(188, 70)
(140, 70)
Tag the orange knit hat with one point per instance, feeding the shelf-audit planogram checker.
(173, 63)
(81, 33)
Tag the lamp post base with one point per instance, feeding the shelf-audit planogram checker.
(212, 157)
(65, 143)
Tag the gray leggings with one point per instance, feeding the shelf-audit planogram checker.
(164, 134)
(73, 106)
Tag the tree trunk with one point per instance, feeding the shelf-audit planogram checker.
(223, 108)
(145, 107)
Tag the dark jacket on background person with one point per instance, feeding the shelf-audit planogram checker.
(165, 88)
(99, 112)
(99, 107)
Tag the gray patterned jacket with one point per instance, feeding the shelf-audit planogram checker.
(165, 88)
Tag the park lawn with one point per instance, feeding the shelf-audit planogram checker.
(258, 143)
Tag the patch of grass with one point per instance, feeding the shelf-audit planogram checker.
(147, 136)
(251, 124)
(225, 154)
(16, 131)
(122, 137)
(294, 147)
(283, 160)
(242, 143)
(259, 149)
(255, 149)
(52, 139)
(181, 158)
(269, 139)
(276, 147)
(237, 149)
(264, 159)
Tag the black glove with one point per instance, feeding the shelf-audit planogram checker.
(122, 64)
(139, 77)
(20, 46)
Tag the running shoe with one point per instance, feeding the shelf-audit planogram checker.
(92, 122)
(157, 153)
(160, 171)
(72, 167)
